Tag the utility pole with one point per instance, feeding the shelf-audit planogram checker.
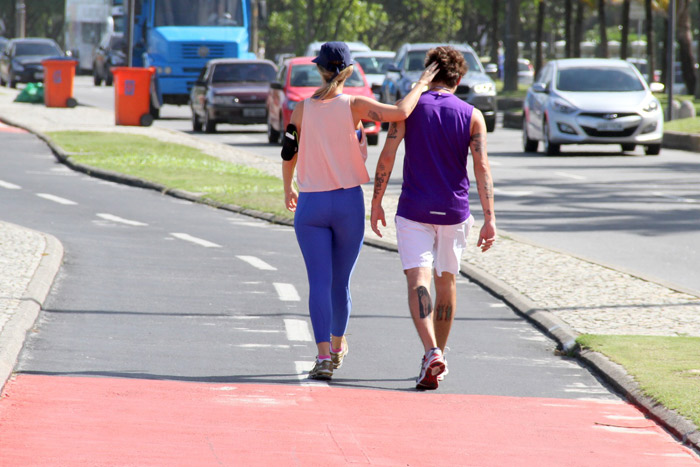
(670, 56)
(21, 19)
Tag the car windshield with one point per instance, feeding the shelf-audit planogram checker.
(199, 13)
(309, 77)
(243, 72)
(116, 43)
(415, 61)
(36, 48)
(374, 65)
(608, 79)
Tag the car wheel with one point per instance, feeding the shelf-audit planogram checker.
(628, 147)
(550, 148)
(109, 79)
(529, 145)
(95, 76)
(2, 81)
(491, 124)
(372, 140)
(652, 150)
(209, 126)
(273, 135)
(11, 83)
(196, 123)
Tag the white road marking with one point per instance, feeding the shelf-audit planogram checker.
(303, 369)
(286, 292)
(297, 330)
(568, 175)
(675, 198)
(257, 263)
(620, 429)
(514, 194)
(198, 241)
(262, 346)
(121, 220)
(56, 199)
(9, 186)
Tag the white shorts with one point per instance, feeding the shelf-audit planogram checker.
(431, 245)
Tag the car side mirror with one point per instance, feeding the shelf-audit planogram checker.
(275, 85)
(394, 69)
(657, 87)
(540, 87)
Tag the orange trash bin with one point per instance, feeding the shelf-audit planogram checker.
(58, 82)
(132, 96)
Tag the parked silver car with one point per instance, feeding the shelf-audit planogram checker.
(591, 101)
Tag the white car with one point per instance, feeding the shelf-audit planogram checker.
(591, 101)
(314, 48)
(375, 64)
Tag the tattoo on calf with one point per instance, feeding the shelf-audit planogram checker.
(425, 303)
(443, 312)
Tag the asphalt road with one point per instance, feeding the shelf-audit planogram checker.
(179, 333)
(633, 212)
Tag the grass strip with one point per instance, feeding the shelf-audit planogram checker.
(175, 166)
(684, 125)
(667, 369)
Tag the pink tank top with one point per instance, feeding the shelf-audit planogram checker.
(330, 156)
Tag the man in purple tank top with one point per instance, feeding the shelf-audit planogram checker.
(433, 217)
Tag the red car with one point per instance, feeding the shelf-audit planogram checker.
(297, 80)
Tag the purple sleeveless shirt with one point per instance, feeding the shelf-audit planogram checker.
(435, 186)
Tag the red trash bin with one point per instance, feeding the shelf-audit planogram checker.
(58, 82)
(132, 96)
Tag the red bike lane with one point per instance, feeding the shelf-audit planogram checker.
(84, 421)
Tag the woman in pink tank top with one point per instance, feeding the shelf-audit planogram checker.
(329, 205)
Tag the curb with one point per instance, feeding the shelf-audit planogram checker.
(684, 141)
(684, 430)
(23, 319)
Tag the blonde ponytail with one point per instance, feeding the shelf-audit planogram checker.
(330, 84)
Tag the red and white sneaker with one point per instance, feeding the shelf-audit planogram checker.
(433, 365)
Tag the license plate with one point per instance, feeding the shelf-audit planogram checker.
(254, 112)
(609, 126)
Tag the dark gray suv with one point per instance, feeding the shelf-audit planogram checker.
(476, 87)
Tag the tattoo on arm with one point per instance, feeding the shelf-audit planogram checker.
(488, 186)
(393, 130)
(478, 143)
(425, 303)
(377, 116)
(443, 312)
(380, 179)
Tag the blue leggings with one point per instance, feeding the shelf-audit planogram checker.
(330, 227)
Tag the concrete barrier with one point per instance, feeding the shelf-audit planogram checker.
(684, 141)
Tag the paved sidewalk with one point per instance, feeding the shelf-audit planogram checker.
(563, 294)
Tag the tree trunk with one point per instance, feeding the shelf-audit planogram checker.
(539, 58)
(568, 33)
(697, 87)
(578, 29)
(664, 61)
(625, 29)
(510, 79)
(684, 35)
(650, 39)
(602, 22)
(495, 7)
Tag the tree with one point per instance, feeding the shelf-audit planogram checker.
(625, 20)
(602, 27)
(684, 35)
(510, 72)
(495, 10)
(539, 37)
(649, 13)
(578, 28)
(568, 31)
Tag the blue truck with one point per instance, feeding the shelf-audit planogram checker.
(178, 37)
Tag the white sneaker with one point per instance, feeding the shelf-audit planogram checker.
(433, 365)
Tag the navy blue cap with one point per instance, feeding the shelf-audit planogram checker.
(334, 56)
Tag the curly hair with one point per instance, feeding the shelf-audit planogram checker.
(451, 64)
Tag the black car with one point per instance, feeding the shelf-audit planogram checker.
(109, 54)
(21, 60)
(230, 90)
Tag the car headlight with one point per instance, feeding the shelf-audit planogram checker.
(483, 88)
(652, 106)
(563, 107)
(291, 104)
